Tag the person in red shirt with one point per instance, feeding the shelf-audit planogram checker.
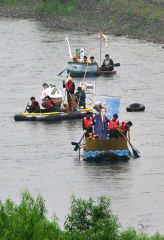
(34, 106)
(125, 129)
(113, 124)
(70, 88)
(47, 104)
(87, 123)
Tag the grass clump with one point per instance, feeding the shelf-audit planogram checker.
(58, 7)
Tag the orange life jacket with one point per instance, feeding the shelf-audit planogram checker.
(87, 122)
(123, 127)
(112, 124)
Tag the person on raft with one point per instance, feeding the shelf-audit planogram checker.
(48, 104)
(70, 89)
(113, 124)
(88, 123)
(125, 129)
(34, 106)
(80, 97)
(85, 60)
(107, 64)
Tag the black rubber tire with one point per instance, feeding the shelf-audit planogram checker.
(135, 107)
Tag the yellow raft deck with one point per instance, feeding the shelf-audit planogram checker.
(115, 148)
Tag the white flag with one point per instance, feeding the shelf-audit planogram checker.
(103, 37)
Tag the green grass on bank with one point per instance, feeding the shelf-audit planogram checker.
(47, 7)
(134, 10)
(58, 7)
(87, 220)
(122, 9)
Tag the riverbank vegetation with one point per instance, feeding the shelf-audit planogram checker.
(87, 220)
(143, 19)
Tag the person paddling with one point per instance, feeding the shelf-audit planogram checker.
(125, 129)
(34, 106)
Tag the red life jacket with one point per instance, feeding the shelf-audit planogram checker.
(69, 85)
(123, 127)
(112, 124)
(48, 104)
(87, 122)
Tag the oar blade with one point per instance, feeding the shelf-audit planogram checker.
(76, 147)
(117, 65)
(61, 72)
(135, 153)
(74, 143)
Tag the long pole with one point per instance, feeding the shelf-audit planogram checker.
(100, 50)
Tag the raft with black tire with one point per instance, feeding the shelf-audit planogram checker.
(135, 107)
(51, 116)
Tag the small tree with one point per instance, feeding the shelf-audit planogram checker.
(92, 218)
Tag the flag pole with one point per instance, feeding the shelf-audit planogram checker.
(100, 50)
(69, 47)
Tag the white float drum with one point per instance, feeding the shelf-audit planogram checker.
(55, 95)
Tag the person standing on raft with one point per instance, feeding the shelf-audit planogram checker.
(70, 89)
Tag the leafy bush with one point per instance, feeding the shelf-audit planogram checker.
(87, 220)
(26, 221)
(94, 219)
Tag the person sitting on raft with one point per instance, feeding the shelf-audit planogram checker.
(88, 123)
(47, 104)
(113, 124)
(80, 97)
(51, 107)
(85, 60)
(107, 64)
(34, 106)
(92, 60)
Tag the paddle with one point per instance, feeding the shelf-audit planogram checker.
(26, 107)
(116, 65)
(61, 72)
(135, 151)
(77, 144)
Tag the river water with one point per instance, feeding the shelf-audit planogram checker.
(38, 157)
